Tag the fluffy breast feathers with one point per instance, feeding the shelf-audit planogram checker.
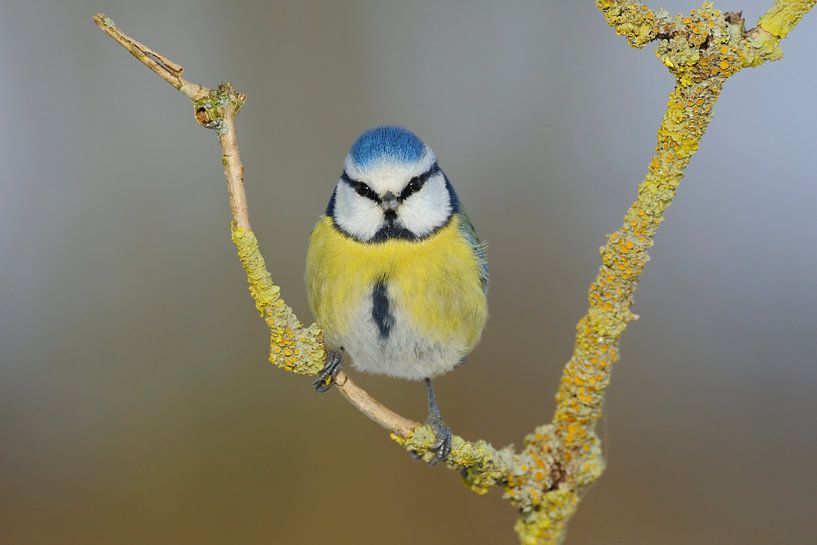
(436, 284)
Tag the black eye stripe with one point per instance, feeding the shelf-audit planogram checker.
(416, 184)
(360, 188)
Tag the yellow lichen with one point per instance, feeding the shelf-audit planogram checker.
(288, 337)
(481, 465)
(784, 15)
(547, 522)
(209, 109)
(631, 19)
(702, 50)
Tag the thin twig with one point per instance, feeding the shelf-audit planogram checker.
(372, 408)
(217, 108)
(159, 64)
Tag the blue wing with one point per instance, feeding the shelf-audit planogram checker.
(479, 248)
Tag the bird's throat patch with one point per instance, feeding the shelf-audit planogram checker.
(381, 312)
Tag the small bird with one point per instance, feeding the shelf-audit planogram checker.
(396, 275)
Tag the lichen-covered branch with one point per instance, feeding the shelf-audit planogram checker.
(547, 478)
(300, 349)
(293, 347)
(783, 16)
(633, 20)
(701, 50)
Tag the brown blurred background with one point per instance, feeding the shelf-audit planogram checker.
(136, 404)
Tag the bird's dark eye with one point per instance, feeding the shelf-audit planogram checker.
(362, 189)
(416, 184)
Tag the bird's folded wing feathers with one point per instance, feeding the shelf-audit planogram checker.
(479, 248)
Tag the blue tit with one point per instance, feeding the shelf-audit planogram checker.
(396, 275)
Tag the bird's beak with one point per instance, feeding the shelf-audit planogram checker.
(389, 202)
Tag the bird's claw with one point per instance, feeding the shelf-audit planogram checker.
(327, 375)
(442, 444)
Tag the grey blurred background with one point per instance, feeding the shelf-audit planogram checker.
(136, 404)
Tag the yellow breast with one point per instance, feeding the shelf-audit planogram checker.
(434, 282)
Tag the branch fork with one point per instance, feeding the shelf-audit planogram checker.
(546, 479)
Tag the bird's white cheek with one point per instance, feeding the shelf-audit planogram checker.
(356, 215)
(426, 210)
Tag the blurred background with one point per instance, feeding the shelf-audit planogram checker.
(136, 403)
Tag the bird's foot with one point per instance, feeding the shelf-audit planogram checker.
(442, 439)
(326, 376)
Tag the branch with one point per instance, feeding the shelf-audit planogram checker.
(159, 64)
(560, 460)
(702, 50)
(294, 347)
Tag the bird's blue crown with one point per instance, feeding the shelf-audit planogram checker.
(386, 143)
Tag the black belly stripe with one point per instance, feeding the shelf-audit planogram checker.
(381, 313)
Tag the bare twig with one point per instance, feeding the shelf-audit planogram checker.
(559, 461)
(372, 408)
(159, 64)
(216, 109)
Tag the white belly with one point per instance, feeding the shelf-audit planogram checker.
(391, 345)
